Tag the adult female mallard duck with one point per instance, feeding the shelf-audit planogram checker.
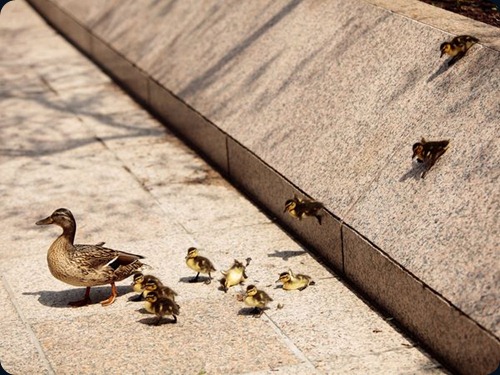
(86, 265)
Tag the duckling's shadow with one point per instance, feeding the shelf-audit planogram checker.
(286, 254)
(443, 68)
(152, 321)
(190, 280)
(249, 311)
(63, 297)
(415, 172)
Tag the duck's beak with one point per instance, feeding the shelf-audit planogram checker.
(277, 281)
(46, 221)
(442, 53)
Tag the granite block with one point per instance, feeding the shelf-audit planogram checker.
(453, 23)
(454, 337)
(133, 79)
(272, 190)
(77, 33)
(85, 15)
(18, 353)
(201, 134)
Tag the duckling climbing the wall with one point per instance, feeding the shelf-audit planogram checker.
(258, 299)
(300, 208)
(234, 275)
(295, 282)
(86, 265)
(429, 152)
(199, 264)
(458, 47)
(161, 306)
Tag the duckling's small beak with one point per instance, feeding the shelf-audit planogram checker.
(442, 53)
(277, 281)
(46, 221)
(285, 209)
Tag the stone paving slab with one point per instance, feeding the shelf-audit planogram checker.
(124, 190)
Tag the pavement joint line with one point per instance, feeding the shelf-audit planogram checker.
(289, 343)
(31, 334)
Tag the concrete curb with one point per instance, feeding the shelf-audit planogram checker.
(456, 339)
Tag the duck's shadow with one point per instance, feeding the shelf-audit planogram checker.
(63, 297)
(286, 254)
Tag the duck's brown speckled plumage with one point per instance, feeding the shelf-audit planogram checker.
(86, 265)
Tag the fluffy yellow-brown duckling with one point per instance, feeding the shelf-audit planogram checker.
(234, 275)
(429, 152)
(292, 282)
(300, 208)
(161, 306)
(258, 299)
(140, 280)
(86, 265)
(458, 47)
(199, 264)
(161, 290)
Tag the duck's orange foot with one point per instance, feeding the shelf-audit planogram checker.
(108, 301)
(112, 297)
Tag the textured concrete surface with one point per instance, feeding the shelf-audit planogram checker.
(329, 97)
(334, 102)
(71, 138)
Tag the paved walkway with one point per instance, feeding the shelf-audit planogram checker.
(70, 138)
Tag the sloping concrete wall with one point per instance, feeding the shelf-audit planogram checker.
(327, 98)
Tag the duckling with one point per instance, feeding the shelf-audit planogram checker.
(199, 264)
(161, 290)
(138, 285)
(300, 208)
(234, 275)
(86, 265)
(458, 47)
(292, 282)
(161, 306)
(429, 152)
(256, 298)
